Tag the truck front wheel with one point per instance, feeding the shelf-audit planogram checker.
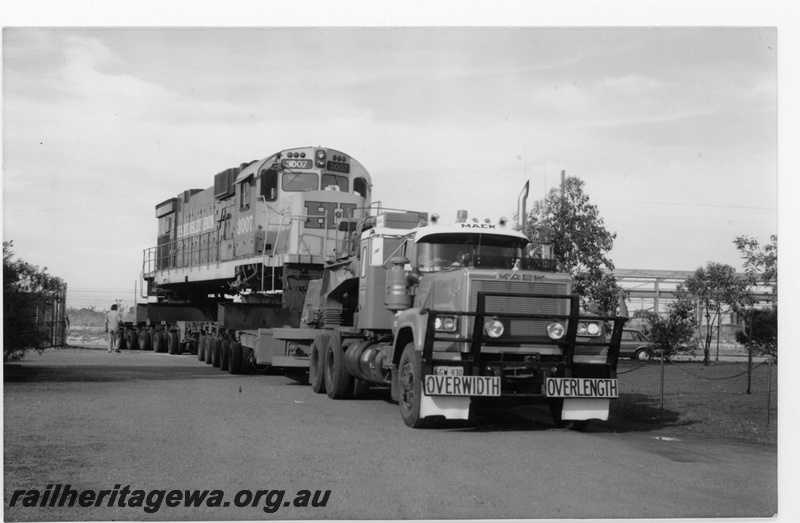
(410, 381)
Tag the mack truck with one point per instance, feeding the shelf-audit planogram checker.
(448, 317)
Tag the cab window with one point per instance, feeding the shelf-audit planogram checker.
(300, 182)
(269, 185)
(244, 195)
(360, 187)
(333, 180)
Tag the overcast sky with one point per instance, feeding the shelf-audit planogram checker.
(673, 130)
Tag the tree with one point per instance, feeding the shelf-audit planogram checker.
(711, 288)
(760, 266)
(762, 331)
(567, 220)
(674, 332)
(24, 286)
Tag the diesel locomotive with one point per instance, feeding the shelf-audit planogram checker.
(240, 253)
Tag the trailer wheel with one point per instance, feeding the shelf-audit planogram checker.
(555, 411)
(172, 338)
(209, 349)
(316, 376)
(410, 381)
(144, 339)
(338, 382)
(170, 343)
(201, 347)
(158, 342)
(216, 353)
(225, 356)
(132, 339)
(235, 364)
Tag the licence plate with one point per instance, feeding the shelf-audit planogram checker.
(461, 385)
(581, 388)
(448, 371)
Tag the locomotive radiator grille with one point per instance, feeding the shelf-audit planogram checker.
(519, 327)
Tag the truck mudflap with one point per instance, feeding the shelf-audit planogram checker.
(585, 389)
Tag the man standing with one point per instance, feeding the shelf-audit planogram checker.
(113, 328)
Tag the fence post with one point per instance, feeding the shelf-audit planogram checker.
(662, 380)
(769, 390)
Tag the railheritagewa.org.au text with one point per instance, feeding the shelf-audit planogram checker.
(151, 501)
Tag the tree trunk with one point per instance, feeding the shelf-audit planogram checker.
(709, 337)
(749, 352)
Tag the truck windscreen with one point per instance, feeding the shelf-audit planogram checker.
(449, 251)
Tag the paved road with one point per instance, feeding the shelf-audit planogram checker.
(153, 421)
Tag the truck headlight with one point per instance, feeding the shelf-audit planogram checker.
(493, 328)
(446, 323)
(555, 331)
(588, 328)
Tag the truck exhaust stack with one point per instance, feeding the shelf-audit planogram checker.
(521, 212)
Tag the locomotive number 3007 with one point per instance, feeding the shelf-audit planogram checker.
(244, 225)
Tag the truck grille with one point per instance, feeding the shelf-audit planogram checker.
(508, 304)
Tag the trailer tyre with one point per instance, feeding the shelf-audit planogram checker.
(132, 340)
(410, 384)
(225, 355)
(316, 375)
(144, 339)
(170, 343)
(555, 411)
(158, 342)
(338, 382)
(216, 354)
(174, 340)
(235, 364)
(201, 347)
(209, 349)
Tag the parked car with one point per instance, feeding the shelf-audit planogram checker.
(635, 345)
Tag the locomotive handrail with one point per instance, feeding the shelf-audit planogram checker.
(185, 252)
(283, 225)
